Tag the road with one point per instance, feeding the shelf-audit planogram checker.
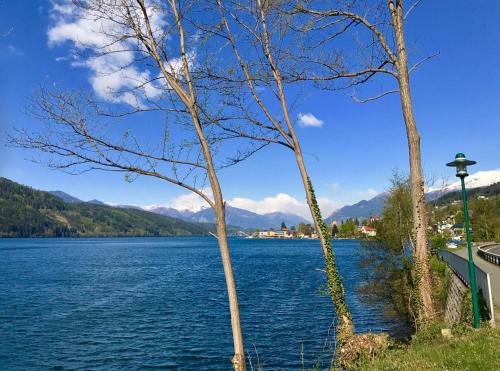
(492, 269)
(494, 272)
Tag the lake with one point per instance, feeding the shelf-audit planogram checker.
(161, 303)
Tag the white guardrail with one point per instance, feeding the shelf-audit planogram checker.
(460, 266)
(485, 253)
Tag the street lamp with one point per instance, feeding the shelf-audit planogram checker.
(461, 164)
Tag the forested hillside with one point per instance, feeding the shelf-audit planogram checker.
(26, 212)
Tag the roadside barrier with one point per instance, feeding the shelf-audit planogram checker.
(485, 253)
(460, 267)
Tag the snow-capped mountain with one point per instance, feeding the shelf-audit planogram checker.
(479, 179)
(248, 219)
(234, 216)
(374, 206)
(169, 211)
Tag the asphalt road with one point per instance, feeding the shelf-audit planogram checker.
(493, 270)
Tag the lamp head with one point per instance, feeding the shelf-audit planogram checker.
(461, 164)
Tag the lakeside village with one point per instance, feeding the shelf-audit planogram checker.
(350, 228)
(449, 228)
(451, 225)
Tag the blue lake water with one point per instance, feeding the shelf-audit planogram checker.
(139, 303)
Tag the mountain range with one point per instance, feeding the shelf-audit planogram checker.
(360, 210)
(27, 212)
(374, 206)
(476, 180)
(234, 216)
(250, 220)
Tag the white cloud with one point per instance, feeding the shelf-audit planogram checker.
(113, 75)
(187, 201)
(283, 202)
(15, 51)
(308, 119)
(333, 186)
(190, 201)
(365, 194)
(63, 7)
(328, 206)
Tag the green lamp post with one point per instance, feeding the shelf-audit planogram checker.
(461, 164)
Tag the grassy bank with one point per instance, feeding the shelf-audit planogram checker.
(471, 350)
(467, 349)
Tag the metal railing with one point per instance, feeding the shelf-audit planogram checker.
(460, 266)
(485, 253)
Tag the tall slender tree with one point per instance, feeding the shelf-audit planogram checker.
(144, 48)
(384, 39)
(256, 36)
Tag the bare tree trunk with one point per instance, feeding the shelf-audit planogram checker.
(238, 359)
(398, 59)
(421, 257)
(345, 328)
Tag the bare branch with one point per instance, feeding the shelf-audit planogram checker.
(362, 20)
(419, 63)
(411, 8)
(366, 100)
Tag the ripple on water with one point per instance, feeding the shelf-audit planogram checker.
(161, 303)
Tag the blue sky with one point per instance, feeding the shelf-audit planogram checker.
(350, 157)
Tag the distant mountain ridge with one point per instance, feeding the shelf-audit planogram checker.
(374, 206)
(250, 220)
(485, 191)
(169, 211)
(27, 212)
(65, 197)
(234, 216)
(476, 180)
(360, 210)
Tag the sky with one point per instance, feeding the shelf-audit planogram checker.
(351, 149)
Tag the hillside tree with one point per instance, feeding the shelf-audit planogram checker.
(255, 41)
(153, 114)
(377, 36)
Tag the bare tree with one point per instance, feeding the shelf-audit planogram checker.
(255, 35)
(148, 44)
(380, 44)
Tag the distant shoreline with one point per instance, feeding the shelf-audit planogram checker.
(98, 236)
(185, 236)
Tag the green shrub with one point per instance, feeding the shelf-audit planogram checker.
(438, 241)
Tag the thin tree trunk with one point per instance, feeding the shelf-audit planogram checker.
(421, 254)
(190, 100)
(238, 359)
(345, 328)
